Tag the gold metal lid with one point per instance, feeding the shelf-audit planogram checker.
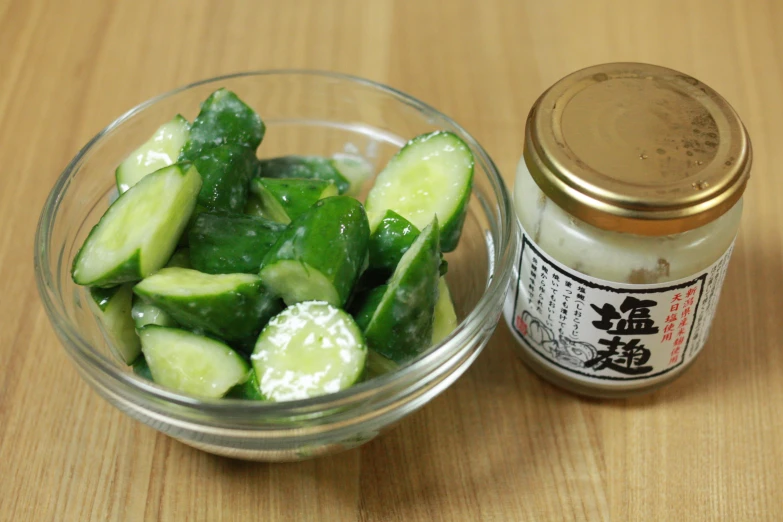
(637, 148)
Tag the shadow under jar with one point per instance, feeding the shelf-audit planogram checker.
(628, 196)
(308, 113)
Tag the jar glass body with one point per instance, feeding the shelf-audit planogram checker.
(614, 257)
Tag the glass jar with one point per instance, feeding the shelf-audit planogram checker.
(629, 197)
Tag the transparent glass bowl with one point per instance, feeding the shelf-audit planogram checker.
(305, 113)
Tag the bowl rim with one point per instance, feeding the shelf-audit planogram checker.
(500, 267)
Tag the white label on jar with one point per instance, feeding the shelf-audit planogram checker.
(603, 332)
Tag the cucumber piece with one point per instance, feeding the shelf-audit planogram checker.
(230, 306)
(304, 167)
(226, 171)
(224, 120)
(141, 368)
(230, 244)
(179, 259)
(161, 150)
(284, 200)
(377, 365)
(112, 306)
(321, 253)
(248, 390)
(432, 175)
(445, 320)
(401, 326)
(365, 305)
(139, 232)
(391, 238)
(191, 363)
(145, 313)
(310, 349)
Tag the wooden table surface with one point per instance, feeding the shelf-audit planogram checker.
(498, 445)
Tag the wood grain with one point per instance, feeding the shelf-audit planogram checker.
(500, 444)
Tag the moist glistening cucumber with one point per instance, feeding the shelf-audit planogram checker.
(320, 255)
(432, 175)
(224, 119)
(113, 308)
(231, 243)
(161, 150)
(226, 171)
(139, 232)
(347, 173)
(284, 200)
(310, 349)
(231, 306)
(401, 326)
(191, 363)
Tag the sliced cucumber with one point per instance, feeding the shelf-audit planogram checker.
(190, 363)
(432, 175)
(226, 171)
(445, 320)
(112, 306)
(231, 306)
(248, 390)
(310, 349)
(139, 232)
(320, 255)
(364, 306)
(145, 313)
(390, 239)
(231, 243)
(161, 150)
(305, 167)
(284, 200)
(224, 120)
(401, 326)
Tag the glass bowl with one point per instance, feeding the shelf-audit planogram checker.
(306, 113)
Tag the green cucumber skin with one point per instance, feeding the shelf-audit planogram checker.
(225, 171)
(231, 316)
(377, 365)
(364, 306)
(305, 167)
(393, 236)
(249, 390)
(224, 119)
(230, 244)
(142, 369)
(130, 270)
(331, 238)
(401, 326)
(102, 296)
(295, 196)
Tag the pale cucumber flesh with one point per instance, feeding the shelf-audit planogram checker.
(310, 349)
(161, 150)
(190, 363)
